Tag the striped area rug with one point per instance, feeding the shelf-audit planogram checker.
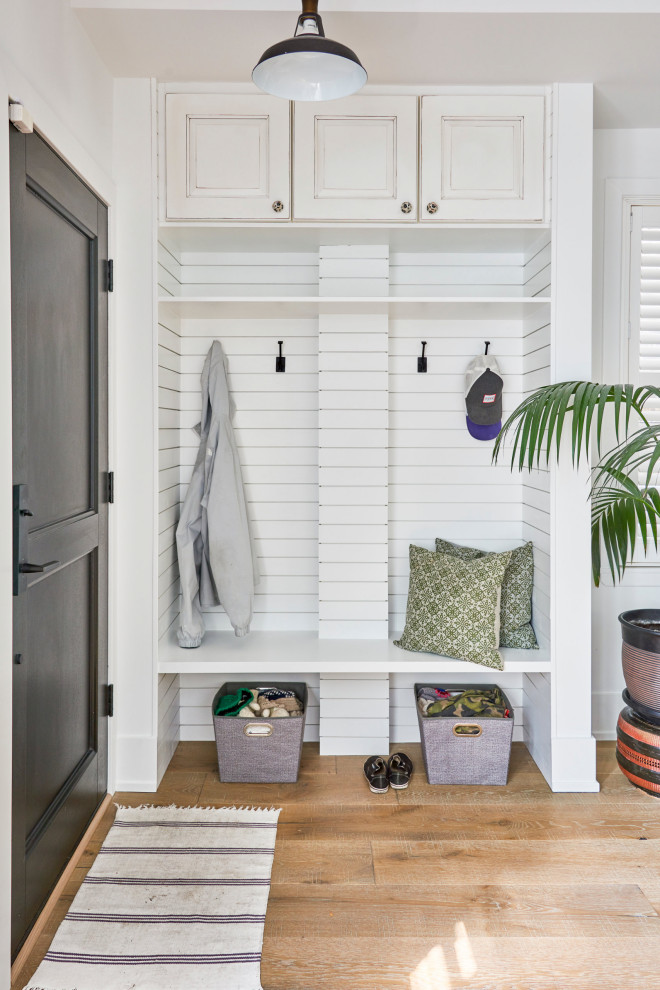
(176, 900)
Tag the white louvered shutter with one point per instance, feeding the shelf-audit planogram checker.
(644, 346)
(644, 316)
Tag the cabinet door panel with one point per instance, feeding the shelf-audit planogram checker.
(356, 159)
(483, 158)
(227, 157)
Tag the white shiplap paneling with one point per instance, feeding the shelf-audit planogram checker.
(352, 456)
(536, 483)
(276, 429)
(168, 720)
(354, 713)
(169, 456)
(442, 482)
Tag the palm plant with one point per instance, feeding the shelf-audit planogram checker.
(624, 503)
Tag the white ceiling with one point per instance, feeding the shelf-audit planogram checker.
(619, 52)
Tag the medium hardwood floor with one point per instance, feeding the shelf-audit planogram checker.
(439, 888)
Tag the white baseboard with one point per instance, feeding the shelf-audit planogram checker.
(605, 708)
(137, 763)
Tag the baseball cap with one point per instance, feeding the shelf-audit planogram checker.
(483, 398)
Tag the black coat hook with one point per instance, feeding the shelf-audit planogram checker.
(487, 342)
(280, 362)
(422, 363)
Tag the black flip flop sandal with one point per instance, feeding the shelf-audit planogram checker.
(399, 771)
(375, 770)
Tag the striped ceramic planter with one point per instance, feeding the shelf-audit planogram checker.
(640, 655)
(638, 751)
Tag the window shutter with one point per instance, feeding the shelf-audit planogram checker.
(644, 316)
(644, 345)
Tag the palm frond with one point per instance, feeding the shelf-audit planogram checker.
(538, 421)
(619, 510)
(640, 449)
(622, 511)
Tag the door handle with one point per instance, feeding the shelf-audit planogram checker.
(26, 568)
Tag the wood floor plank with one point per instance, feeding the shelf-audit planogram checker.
(460, 962)
(543, 820)
(532, 862)
(310, 789)
(571, 911)
(328, 862)
(525, 787)
(176, 788)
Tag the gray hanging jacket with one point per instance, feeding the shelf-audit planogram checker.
(216, 560)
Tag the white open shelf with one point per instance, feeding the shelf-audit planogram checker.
(300, 307)
(292, 236)
(273, 652)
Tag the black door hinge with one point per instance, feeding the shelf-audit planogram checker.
(111, 701)
(111, 275)
(110, 487)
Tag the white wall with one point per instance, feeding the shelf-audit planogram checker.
(48, 63)
(626, 162)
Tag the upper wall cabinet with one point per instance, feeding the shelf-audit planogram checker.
(356, 159)
(482, 158)
(227, 157)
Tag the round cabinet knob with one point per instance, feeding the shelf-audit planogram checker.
(406, 207)
(278, 205)
(431, 207)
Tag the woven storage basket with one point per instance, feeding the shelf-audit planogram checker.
(259, 750)
(465, 750)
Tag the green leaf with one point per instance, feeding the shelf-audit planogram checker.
(595, 552)
(577, 425)
(629, 396)
(602, 401)
(617, 391)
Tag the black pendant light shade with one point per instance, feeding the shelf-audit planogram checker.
(309, 66)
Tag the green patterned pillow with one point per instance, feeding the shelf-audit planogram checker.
(454, 606)
(516, 608)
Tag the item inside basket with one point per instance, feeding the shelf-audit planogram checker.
(486, 702)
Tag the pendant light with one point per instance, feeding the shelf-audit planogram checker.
(309, 66)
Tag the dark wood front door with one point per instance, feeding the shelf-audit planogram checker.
(59, 355)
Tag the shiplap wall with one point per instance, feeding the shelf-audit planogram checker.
(426, 273)
(240, 273)
(536, 484)
(354, 710)
(169, 448)
(441, 480)
(168, 720)
(169, 501)
(276, 429)
(197, 692)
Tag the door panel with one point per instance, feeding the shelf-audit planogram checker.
(59, 685)
(59, 369)
(356, 159)
(483, 157)
(227, 157)
(59, 354)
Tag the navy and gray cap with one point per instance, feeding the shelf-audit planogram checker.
(483, 398)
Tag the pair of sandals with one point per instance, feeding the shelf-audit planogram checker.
(395, 772)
